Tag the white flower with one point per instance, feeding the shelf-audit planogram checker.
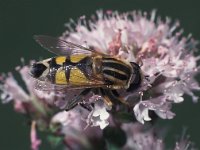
(11, 90)
(159, 105)
(99, 115)
(68, 120)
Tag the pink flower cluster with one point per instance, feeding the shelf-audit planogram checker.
(166, 57)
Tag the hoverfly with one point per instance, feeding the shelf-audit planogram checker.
(78, 67)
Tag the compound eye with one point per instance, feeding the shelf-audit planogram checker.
(37, 70)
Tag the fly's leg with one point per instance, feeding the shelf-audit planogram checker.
(77, 99)
(86, 106)
(113, 96)
(107, 101)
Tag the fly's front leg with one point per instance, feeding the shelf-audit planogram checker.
(77, 99)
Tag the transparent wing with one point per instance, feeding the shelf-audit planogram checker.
(45, 86)
(61, 47)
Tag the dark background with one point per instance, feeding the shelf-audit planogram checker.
(21, 19)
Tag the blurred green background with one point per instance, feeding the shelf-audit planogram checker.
(21, 19)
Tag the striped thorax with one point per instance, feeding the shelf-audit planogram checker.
(115, 73)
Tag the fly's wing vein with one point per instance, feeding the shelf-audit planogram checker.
(59, 46)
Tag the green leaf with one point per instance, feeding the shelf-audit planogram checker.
(55, 140)
(54, 127)
(110, 146)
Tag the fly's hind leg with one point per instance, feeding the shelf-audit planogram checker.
(77, 99)
(106, 99)
(116, 96)
(112, 96)
(86, 106)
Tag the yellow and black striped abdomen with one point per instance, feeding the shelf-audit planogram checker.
(116, 72)
(73, 70)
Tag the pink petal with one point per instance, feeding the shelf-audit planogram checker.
(35, 142)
